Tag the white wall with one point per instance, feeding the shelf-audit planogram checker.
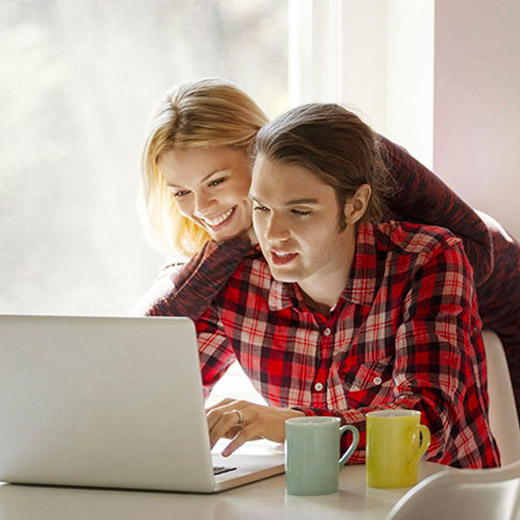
(375, 56)
(364, 67)
(477, 104)
(440, 77)
(409, 52)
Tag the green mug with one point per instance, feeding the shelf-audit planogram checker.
(312, 454)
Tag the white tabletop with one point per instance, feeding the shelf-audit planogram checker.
(262, 500)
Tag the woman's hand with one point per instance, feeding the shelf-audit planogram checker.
(243, 421)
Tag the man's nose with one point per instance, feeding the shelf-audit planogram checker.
(277, 229)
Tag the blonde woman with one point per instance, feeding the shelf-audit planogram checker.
(205, 130)
(196, 175)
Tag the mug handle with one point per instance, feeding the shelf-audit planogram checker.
(352, 447)
(425, 443)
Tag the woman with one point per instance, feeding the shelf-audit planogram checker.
(196, 174)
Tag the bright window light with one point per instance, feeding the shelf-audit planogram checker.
(78, 82)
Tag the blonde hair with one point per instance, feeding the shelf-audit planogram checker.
(204, 113)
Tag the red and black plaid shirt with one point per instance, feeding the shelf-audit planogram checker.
(405, 333)
(421, 197)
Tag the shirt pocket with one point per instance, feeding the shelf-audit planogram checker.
(367, 383)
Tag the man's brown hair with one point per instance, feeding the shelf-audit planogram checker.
(336, 145)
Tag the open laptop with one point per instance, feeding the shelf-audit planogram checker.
(111, 402)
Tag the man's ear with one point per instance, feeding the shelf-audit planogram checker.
(357, 205)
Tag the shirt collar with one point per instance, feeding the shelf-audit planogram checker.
(361, 284)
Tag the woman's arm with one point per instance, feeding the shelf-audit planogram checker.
(423, 198)
(187, 290)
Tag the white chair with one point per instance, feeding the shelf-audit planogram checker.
(463, 494)
(487, 494)
(503, 417)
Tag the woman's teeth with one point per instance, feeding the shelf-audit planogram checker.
(216, 221)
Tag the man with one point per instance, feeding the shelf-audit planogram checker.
(339, 314)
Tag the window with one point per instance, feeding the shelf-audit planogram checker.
(78, 82)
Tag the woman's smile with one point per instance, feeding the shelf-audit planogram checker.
(210, 187)
(219, 221)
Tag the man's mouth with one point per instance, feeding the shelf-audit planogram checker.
(221, 219)
(280, 258)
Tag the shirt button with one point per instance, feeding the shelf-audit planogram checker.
(327, 332)
(318, 387)
(377, 380)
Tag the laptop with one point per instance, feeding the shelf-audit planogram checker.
(112, 402)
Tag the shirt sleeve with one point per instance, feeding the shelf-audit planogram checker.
(438, 354)
(422, 197)
(188, 290)
(215, 351)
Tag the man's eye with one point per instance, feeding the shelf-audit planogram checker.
(301, 212)
(260, 208)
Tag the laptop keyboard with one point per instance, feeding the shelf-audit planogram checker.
(218, 470)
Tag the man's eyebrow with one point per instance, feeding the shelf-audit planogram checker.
(293, 202)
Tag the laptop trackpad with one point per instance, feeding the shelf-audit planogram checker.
(261, 458)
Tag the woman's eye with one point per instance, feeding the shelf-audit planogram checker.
(178, 194)
(216, 182)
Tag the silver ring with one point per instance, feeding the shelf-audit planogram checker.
(240, 417)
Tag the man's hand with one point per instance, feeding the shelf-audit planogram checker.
(243, 421)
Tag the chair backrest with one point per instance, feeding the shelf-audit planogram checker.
(486, 494)
(503, 416)
(454, 494)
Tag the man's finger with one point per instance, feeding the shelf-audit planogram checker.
(222, 425)
(245, 434)
(224, 402)
(228, 405)
(214, 413)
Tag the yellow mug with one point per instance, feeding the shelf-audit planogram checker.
(395, 442)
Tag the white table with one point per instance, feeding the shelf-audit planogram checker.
(265, 500)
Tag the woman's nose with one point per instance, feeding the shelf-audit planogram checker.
(204, 201)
